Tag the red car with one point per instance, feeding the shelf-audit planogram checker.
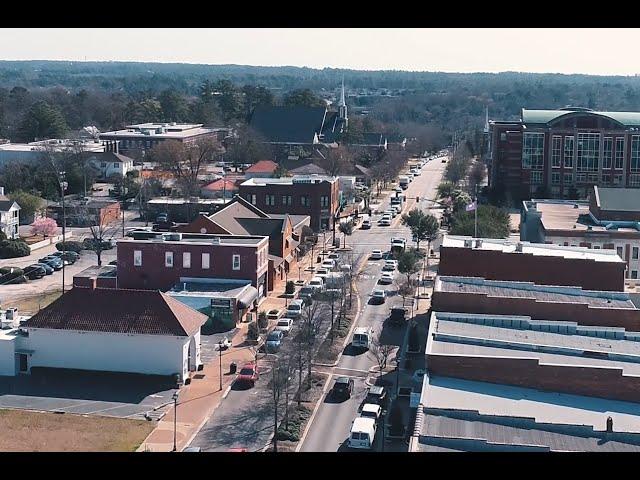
(248, 374)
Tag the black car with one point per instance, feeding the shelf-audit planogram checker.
(54, 262)
(163, 217)
(48, 269)
(68, 256)
(343, 388)
(377, 395)
(34, 271)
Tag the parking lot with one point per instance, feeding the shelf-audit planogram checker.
(89, 393)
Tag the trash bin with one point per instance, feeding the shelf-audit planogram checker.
(233, 367)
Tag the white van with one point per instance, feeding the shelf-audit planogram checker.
(362, 337)
(403, 181)
(363, 432)
(295, 309)
(317, 282)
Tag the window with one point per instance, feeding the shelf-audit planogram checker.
(596, 247)
(556, 151)
(168, 259)
(617, 179)
(568, 152)
(634, 253)
(619, 153)
(270, 200)
(619, 250)
(205, 260)
(533, 151)
(186, 260)
(304, 201)
(606, 179)
(536, 178)
(555, 178)
(103, 165)
(236, 262)
(503, 137)
(581, 178)
(324, 201)
(634, 180)
(137, 258)
(588, 152)
(251, 198)
(287, 200)
(568, 178)
(634, 274)
(635, 153)
(607, 152)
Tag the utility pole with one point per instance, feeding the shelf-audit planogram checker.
(63, 186)
(220, 350)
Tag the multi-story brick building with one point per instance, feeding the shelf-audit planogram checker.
(498, 259)
(561, 153)
(610, 220)
(159, 263)
(312, 195)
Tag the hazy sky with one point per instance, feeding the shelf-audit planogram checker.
(592, 51)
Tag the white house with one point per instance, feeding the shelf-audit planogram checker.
(130, 331)
(110, 163)
(9, 216)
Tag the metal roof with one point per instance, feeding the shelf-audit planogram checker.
(618, 199)
(631, 119)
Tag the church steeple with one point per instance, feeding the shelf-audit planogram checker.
(342, 106)
(486, 119)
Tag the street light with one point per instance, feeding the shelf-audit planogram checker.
(220, 350)
(175, 420)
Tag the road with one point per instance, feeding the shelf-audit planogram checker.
(331, 423)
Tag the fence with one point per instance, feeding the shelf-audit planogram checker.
(50, 241)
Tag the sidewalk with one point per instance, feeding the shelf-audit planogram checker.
(198, 400)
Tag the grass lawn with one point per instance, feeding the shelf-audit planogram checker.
(33, 303)
(51, 432)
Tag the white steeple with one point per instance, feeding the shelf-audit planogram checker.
(486, 119)
(342, 105)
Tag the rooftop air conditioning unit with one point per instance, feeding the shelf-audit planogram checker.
(478, 243)
(215, 240)
(519, 247)
(174, 236)
(468, 243)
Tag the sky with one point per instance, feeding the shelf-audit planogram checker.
(588, 51)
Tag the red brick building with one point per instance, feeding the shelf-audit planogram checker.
(159, 263)
(543, 264)
(313, 195)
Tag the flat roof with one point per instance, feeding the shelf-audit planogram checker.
(202, 239)
(536, 249)
(618, 199)
(541, 293)
(207, 287)
(178, 131)
(551, 342)
(507, 415)
(182, 201)
(57, 144)
(297, 179)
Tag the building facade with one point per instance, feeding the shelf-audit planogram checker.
(316, 196)
(80, 213)
(9, 216)
(562, 153)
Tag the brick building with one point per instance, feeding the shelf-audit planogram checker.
(563, 152)
(159, 263)
(610, 220)
(497, 259)
(313, 195)
(81, 213)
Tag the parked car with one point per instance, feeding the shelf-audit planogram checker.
(321, 272)
(54, 262)
(162, 217)
(386, 278)
(377, 394)
(67, 256)
(363, 432)
(378, 295)
(165, 226)
(47, 268)
(284, 325)
(366, 224)
(308, 291)
(249, 374)
(376, 254)
(390, 265)
(342, 388)
(274, 340)
(391, 212)
(371, 410)
(273, 314)
(295, 309)
(192, 450)
(329, 264)
(35, 271)
(317, 282)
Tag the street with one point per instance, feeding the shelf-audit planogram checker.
(331, 424)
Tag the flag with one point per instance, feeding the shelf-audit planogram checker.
(471, 207)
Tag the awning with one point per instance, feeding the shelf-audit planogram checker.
(246, 298)
(289, 259)
(276, 260)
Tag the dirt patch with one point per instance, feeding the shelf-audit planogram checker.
(330, 350)
(34, 303)
(51, 432)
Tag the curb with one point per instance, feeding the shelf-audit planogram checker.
(313, 415)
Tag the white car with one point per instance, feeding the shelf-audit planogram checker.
(284, 325)
(295, 309)
(328, 264)
(378, 295)
(317, 282)
(366, 224)
(391, 212)
(385, 221)
(390, 265)
(321, 272)
(333, 256)
(371, 410)
(386, 278)
(376, 255)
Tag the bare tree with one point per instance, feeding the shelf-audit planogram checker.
(101, 226)
(381, 350)
(336, 160)
(313, 316)
(186, 161)
(279, 383)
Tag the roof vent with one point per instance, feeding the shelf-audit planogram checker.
(519, 247)
(479, 243)
(215, 240)
(468, 243)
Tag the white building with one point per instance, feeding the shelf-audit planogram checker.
(110, 163)
(32, 152)
(9, 216)
(129, 331)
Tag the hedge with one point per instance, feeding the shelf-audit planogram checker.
(69, 245)
(9, 275)
(13, 249)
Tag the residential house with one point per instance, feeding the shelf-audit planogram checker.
(9, 216)
(108, 164)
(261, 169)
(221, 188)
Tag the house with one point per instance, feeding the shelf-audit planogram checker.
(261, 169)
(160, 262)
(239, 217)
(221, 188)
(131, 331)
(314, 195)
(108, 164)
(83, 213)
(9, 216)
(609, 220)
(543, 264)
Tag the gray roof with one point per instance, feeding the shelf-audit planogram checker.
(618, 199)
(288, 124)
(631, 119)
(6, 203)
(308, 169)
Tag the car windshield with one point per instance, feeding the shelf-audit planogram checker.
(358, 337)
(283, 323)
(368, 414)
(293, 306)
(246, 371)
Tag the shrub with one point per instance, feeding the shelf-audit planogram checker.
(11, 275)
(93, 244)
(13, 249)
(69, 245)
(253, 331)
(293, 430)
(291, 287)
(263, 322)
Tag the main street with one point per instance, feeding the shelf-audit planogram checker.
(331, 422)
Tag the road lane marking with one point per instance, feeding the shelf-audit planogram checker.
(315, 410)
